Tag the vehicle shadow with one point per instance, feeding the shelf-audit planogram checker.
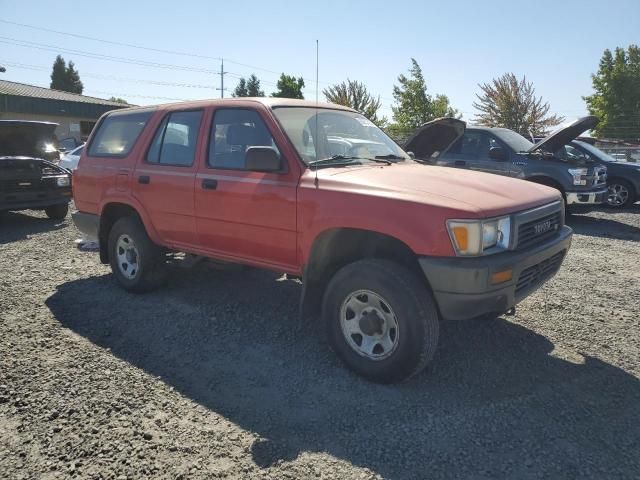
(16, 226)
(605, 224)
(497, 401)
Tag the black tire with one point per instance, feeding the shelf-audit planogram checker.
(407, 298)
(57, 212)
(631, 198)
(151, 268)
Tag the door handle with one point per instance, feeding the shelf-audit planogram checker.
(460, 163)
(144, 179)
(209, 184)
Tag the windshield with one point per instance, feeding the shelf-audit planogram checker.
(596, 152)
(339, 134)
(516, 141)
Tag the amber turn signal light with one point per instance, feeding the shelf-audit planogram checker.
(500, 277)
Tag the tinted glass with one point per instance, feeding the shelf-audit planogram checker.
(117, 134)
(516, 141)
(175, 140)
(232, 132)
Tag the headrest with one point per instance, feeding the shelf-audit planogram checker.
(240, 134)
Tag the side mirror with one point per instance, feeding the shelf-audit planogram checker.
(262, 159)
(498, 154)
(412, 155)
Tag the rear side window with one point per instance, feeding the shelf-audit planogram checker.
(175, 140)
(117, 134)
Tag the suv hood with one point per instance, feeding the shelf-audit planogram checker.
(473, 194)
(26, 138)
(434, 137)
(565, 135)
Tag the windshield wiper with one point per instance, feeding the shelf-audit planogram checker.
(391, 156)
(335, 160)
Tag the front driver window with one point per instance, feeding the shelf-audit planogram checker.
(233, 131)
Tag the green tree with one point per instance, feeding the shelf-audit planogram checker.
(616, 97)
(118, 100)
(511, 103)
(241, 89)
(65, 77)
(248, 87)
(414, 106)
(355, 95)
(289, 87)
(253, 86)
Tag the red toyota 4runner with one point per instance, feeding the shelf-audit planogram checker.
(386, 247)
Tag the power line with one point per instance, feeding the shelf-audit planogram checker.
(115, 78)
(141, 47)
(99, 56)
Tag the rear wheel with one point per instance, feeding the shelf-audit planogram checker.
(381, 320)
(621, 193)
(137, 263)
(57, 212)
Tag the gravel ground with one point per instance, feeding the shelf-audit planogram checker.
(211, 376)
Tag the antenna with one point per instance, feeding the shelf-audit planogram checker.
(315, 137)
(222, 74)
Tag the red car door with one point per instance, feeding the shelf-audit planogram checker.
(164, 177)
(244, 215)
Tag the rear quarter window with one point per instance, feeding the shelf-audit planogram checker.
(117, 134)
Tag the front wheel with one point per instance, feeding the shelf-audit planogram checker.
(57, 212)
(137, 263)
(381, 320)
(621, 193)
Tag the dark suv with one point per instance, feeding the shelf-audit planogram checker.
(505, 152)
(29, 180)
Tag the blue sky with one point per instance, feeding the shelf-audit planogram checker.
(556, 44)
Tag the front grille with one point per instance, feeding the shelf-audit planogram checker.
(600, 176)
(537, 231)
(27, 185)
(535, 275)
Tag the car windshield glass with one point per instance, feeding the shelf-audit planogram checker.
(596, 152)
(516, 141)
(319, 134)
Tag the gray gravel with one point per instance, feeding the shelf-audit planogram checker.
(211, 377)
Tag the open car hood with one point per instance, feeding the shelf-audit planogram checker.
(565, 135)
(26, 138)
(434, 137)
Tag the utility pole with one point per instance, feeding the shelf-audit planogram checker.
(222, 74)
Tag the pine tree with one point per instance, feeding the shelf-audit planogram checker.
(253, 87)
(65, 78)
(241, 89)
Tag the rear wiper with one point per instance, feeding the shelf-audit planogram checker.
(335, 160)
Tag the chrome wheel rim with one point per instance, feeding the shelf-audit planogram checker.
(127, 255)
(369, 325)
(618, 195)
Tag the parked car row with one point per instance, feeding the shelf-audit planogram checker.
(504, 152)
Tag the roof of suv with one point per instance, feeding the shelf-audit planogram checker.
(269, 102)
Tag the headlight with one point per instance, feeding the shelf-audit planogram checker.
(579, 175)
(478, 237)
(63, 181)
